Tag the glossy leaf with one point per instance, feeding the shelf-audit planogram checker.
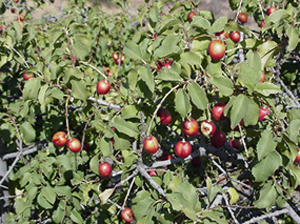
(182, 103)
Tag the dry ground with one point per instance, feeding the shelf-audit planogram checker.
(218, 7)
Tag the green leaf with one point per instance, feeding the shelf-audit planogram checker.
(125, 127)
(267, 196)
(58, 215)
(218, 25)
(169, 75)
(81, 46)
(147, 77)
(267, 88)
(49, 194)
(75, 216)
(169, 46)
(28, 132)
(266, 51)
(252, 113)
(130, 111)
(197, 95)
(266, 167)
(293, 130)
(215, 215)
(43, 202)
(224, 85)
(190, 58)
(238, 110)
(277, 16)
(79, 90)
(293, 35)
(31, 88)
(200, 22)
(265, 145)
(182, 103)
(189, 193)
(105, 147)
(133, 51)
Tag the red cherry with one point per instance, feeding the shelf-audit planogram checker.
(235, 143)
(216, 50)
(127, 215)
(218, 139)
(207, 128)
(235, 36)
(191, 127)
(271, 10)
(183, 149)
(165, 116)
(151, 144)
(223, 35)
(103, 86)
(115, 56)
(105, 169)
(218, 112)
(262, 113)
(190, 16)
(166, 156)
(27, 76)
(74, 145)
(243, 17)
(60, 138)
(297, 159)
(152, 173)
(262, 23)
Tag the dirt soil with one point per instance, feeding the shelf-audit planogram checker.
(218, 7)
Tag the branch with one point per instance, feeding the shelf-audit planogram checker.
(110, 105)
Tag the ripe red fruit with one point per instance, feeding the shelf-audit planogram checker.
(60, 138)
(166, 156)
(271, 10)
(27, 76)
(235, 36)
(127, 215)
(110, 74)
(105, 169)
(191, 15)
(152, 173)
(216, 50)
(297, 159)
(74, 145)
(115, 56)
(243, 17)
(165, 116)
(235, 143)
(263, 77)
(218, 139)
(183, 149)
(122, 58)
(103, 86)
(262, 23)
(262, 113)
(207, 128)
(150, 144)
(218, 112)
(12, 10)
(191, 127)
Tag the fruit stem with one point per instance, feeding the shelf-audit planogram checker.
(93, 67)
(158, 106)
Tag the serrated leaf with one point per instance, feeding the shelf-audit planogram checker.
(266, 167)
(265, 145)
(224, 85)
(182, 103)
(197, 95)
(79, 90)
(28, 132)
(147, 77)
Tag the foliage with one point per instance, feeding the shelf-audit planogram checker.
(70, 55)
